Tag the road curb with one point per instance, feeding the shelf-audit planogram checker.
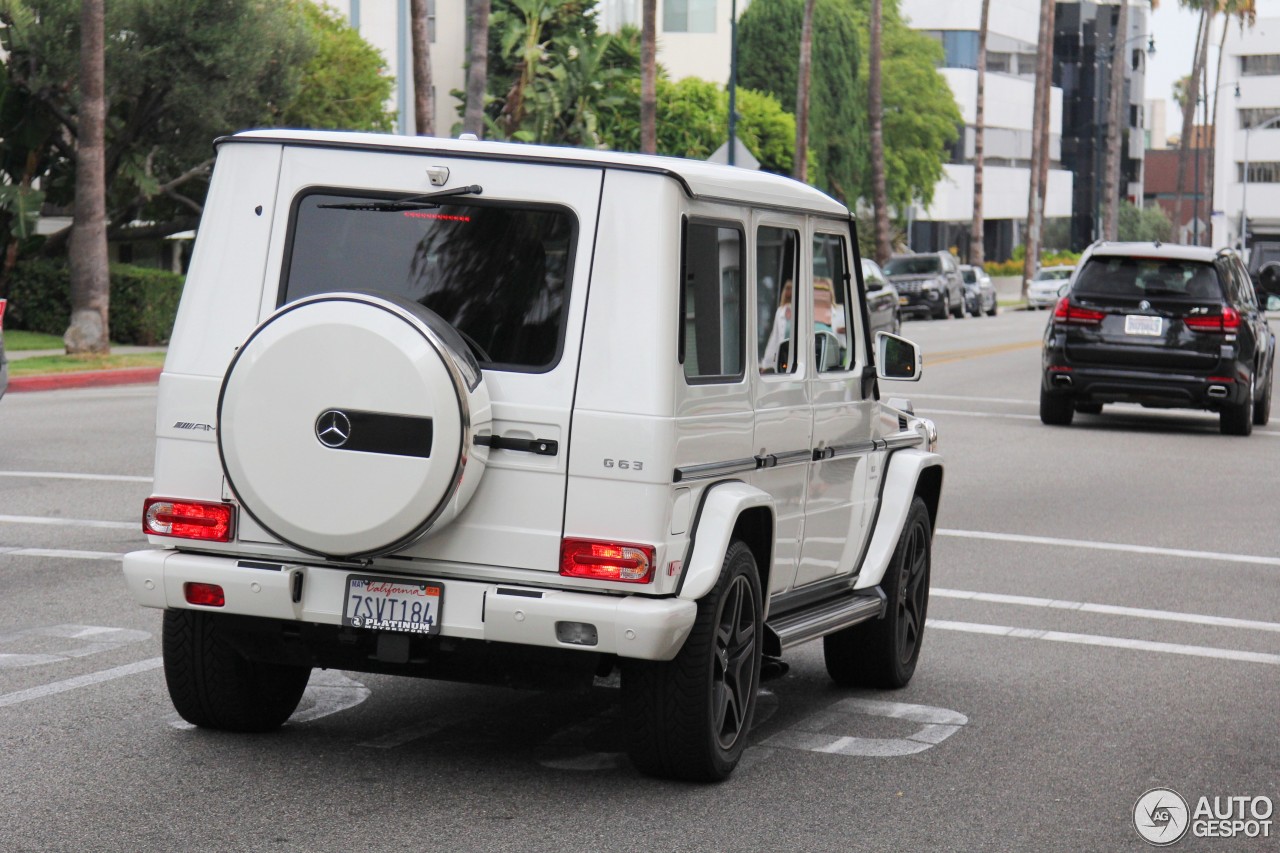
(85, 379)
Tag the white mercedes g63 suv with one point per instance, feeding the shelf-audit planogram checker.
(511, 414)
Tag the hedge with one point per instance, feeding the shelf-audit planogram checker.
(143, 304)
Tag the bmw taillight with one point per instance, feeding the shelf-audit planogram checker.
(3, 303)
(606, 561)
(1067, 312)
(1227, 321)
(203, 520)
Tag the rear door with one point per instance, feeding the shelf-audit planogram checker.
(508, 267)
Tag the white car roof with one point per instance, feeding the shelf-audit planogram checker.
(1172, 251)
(700, 179)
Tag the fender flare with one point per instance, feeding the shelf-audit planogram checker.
(901, 477)
(722, 504)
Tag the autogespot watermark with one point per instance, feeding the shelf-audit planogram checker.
(1163, 817)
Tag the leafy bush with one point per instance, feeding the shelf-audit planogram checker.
(144, 301)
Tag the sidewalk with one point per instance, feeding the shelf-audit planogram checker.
(83, 378)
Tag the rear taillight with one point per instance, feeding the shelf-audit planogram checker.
(204, 594)
(3, 302)
(606, 561)
(1066, 312)
(1227, 321)
(210, 522)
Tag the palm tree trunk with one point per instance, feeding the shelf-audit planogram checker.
(875, 115)
(800, 168)
(477, 68)
(977, 248)
(90, 279)
(1115, 121)
(1189, 111)
(1039, 154)
(649, 78)
(424, 108)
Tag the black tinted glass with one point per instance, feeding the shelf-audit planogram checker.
(499, 274)
(912, 266)
(1146, 277)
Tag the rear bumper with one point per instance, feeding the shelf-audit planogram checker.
(1148, 388)
(629, 626)
(921, 304)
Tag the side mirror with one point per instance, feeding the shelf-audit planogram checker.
(1064, 289)
(897, 358)
(827, 351)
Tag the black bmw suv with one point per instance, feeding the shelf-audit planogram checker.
(1165, 326)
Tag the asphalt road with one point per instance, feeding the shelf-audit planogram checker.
(1105, 620)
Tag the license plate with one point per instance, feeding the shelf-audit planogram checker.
(1143, 324)
(393, 604)
(902, 300)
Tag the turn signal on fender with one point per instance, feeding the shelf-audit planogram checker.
(606, 561)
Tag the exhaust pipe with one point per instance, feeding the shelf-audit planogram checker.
(1218, 391)
(1061, 381)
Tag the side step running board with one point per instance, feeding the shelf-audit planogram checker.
(824, 618)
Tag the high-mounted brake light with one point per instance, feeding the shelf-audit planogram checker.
(210, 522)
(606, 561)
(1065, 312)
(1227, 321)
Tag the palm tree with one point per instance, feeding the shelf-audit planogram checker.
(477, 68)
(1115, 115)
(800, 171)
(649, 78)
(875, 116)
(977, 248)
(1039, 150)
(90, 280)
(423, 99)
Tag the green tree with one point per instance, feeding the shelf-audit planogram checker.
(768, 61)
(345, 84)
(1145, 224)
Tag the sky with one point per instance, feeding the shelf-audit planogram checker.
(1174, 29)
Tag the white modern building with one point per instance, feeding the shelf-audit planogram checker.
(1248, 132)
(1013, 32)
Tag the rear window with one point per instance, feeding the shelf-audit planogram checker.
(498, 273)
(922, 265)
(1143, 277)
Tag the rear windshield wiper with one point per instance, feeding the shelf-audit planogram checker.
(413, 202)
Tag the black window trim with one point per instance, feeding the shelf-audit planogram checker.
(357, 193)
(849, 282)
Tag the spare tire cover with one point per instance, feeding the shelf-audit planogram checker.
(346, 424)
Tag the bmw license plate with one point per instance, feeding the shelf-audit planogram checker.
(1143, 324)
(902, 300)
(393, 604)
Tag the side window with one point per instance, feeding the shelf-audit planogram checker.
(777, 265)
(711, 345)
(832, 309)
(1245, 284)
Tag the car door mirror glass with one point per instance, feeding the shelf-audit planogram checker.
(897, 358)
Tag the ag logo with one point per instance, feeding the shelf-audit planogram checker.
(333, 428)
(1161, 816)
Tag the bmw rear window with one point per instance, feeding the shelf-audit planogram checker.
(498, 273)
(1148, 277)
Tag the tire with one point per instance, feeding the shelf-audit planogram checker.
(957, 310)
(995, 308)
(689, 717)
(945, 307)
(1237, 418)
(884, 652)
(213, 686)
(1262, 408)
(1056, 410)
(1089, 408)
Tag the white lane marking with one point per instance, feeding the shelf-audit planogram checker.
(813, 733)
(60, 553)
(1111, 546)
(1006, 400)
(95, 639)
(932, 412)
(70, 522)
(79, 681)
(1113, 642)
(65, 475)
(1108, 609)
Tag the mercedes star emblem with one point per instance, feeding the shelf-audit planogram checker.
(333, 428)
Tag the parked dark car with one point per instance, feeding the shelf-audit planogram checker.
(979, 291)
(1164, 326)
(928, 285)
(4, 364)
(882, 299)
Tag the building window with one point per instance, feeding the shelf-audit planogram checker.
(1260, 65)
(1254, 117)
(1259, 173)
(689, 16)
